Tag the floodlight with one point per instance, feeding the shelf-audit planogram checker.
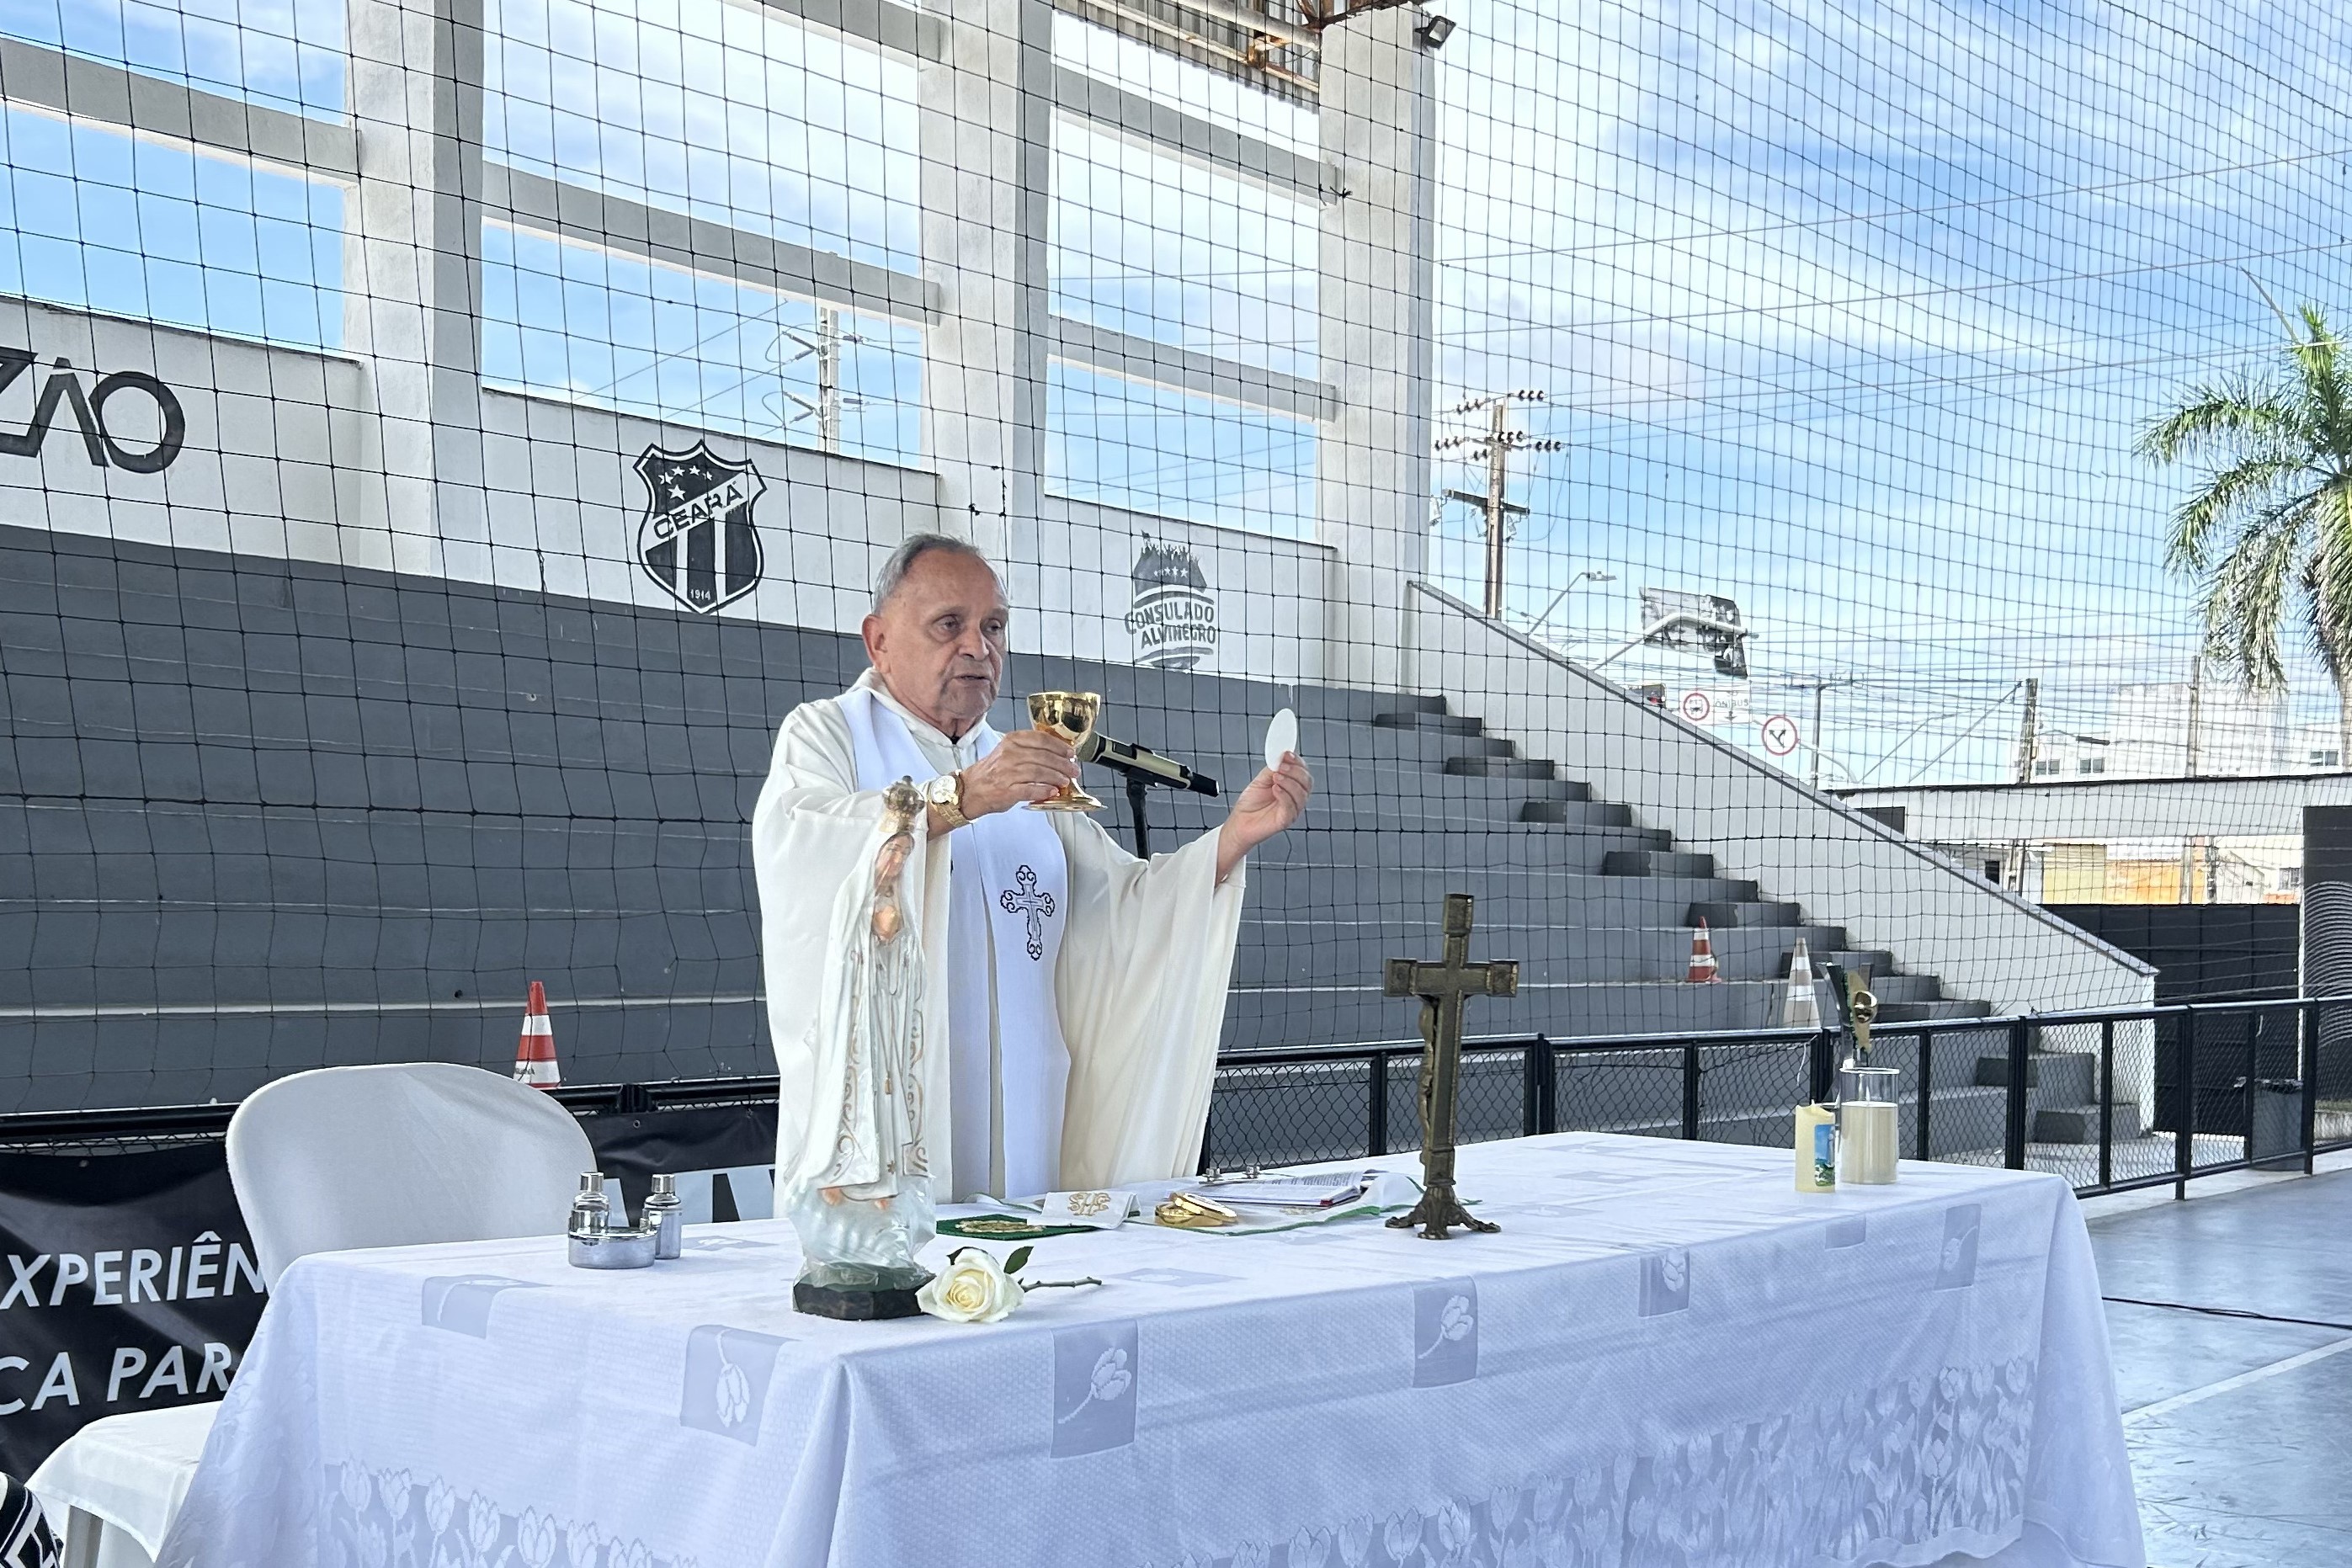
(1692, 623)
(1432, 34)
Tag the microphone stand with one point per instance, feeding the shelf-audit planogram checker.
(1142, 768)
(1138, 790)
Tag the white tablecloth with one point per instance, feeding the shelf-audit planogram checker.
(1667, 1356)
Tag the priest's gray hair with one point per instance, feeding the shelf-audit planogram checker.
(915, 547)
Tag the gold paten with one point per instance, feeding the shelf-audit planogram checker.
(1190, 1211)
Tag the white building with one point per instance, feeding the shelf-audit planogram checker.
(2168, 729)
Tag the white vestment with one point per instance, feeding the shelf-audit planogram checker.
(1138, 980)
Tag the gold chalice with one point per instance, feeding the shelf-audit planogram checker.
(1071, 716)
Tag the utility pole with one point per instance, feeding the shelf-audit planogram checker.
(828, 378)
(824, 345)
(1821, 690)
(2029, 736)
(2196, 736)
(1499, 473)
(1820, 685)
(1493, 447)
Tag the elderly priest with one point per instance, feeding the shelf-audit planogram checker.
(1080, 991)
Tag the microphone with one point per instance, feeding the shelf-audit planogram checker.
(1142, 763)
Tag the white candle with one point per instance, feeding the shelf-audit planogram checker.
(1866, 1142)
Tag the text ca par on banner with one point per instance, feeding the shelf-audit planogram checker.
(130, 1286)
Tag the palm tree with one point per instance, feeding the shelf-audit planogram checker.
(2270, 527)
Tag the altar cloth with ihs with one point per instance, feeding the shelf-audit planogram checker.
(1667, 1356)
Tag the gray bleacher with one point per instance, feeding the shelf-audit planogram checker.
(1413, 801)
(258, 816)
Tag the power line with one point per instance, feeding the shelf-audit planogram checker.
(1884, 214)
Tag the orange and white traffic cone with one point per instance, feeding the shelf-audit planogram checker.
(1800, 1008)
(535, 1052)
(1703, 967)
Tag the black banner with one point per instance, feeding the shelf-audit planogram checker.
(701, 1141)
(130, 1286)
(131, 1283)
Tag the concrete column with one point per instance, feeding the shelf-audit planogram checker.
(413, 274)
(1379, 314)
(986, 103)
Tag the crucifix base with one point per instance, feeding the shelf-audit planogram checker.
(1438, 1210)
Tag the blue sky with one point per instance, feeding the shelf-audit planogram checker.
(144, 229)
(1852, 312)
(729, 111)
(1848, 312)
(141, 227)
(287, 54)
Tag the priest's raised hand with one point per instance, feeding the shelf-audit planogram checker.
(1271, 803)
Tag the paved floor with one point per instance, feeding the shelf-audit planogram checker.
(2240, 1426)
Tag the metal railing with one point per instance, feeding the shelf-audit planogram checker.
(166, 1123)
(2113, 1100)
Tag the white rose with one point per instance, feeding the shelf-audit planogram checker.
(974, 1289)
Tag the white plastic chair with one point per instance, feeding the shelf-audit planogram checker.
(394, 1156)
(342, 1157)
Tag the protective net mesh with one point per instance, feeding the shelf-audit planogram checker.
(1699, 468)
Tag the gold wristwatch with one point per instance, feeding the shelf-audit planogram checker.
(944, 795)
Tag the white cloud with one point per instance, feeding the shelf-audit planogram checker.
(1855, 311)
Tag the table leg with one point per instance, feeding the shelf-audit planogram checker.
(82, 1531)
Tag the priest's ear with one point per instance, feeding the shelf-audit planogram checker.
(875, 631)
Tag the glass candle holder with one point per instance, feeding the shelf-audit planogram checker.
(1868, 1127)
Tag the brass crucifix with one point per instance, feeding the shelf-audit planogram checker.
(1443, 988)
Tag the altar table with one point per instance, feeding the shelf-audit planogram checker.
(1667, 1356)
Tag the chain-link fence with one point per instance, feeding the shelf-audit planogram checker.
(2110, 1100)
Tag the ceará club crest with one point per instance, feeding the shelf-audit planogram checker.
(698, 541)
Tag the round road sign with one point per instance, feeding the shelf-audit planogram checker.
(1779, 733)
(1697, 706)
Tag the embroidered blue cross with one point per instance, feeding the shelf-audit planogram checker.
(1038, 906)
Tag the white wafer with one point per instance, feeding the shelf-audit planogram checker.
(1281, 736)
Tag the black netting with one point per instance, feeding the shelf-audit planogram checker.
(1696, 482)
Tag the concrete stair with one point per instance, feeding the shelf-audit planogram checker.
(2061, 1097)
(1413, 801)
